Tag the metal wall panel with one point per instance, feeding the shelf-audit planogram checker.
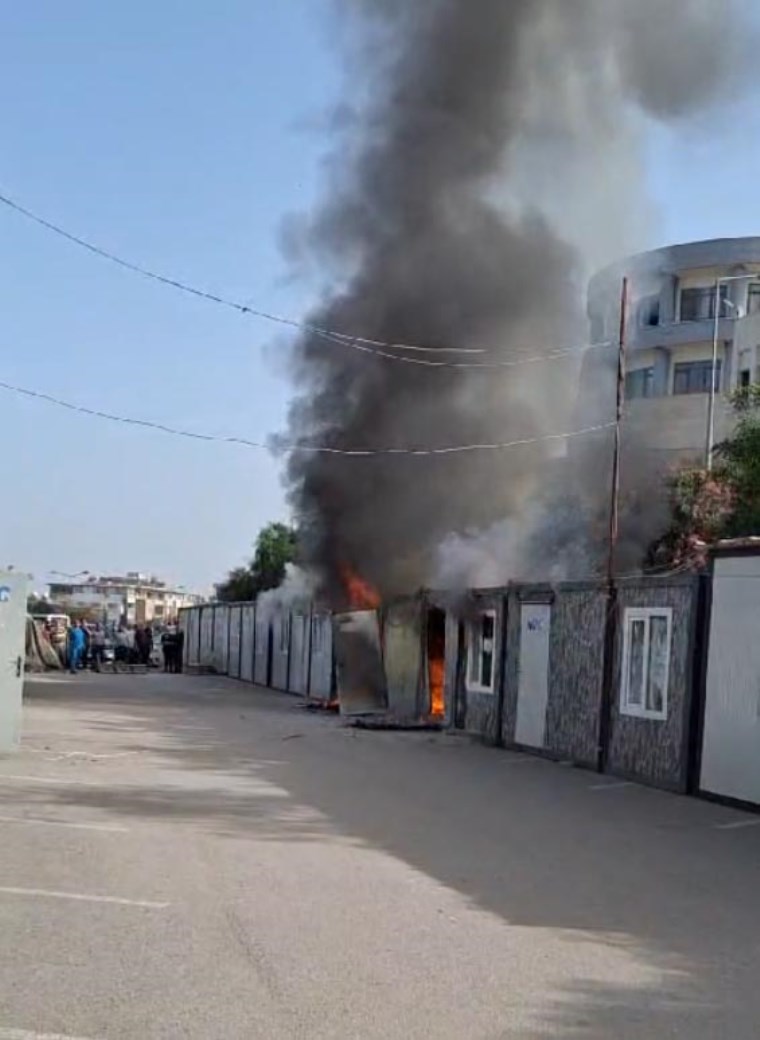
(280, 649)
(655, 751)
(300, 634)
(263, 645)
(475, 711)
(206, 654)
(731, 742)
(191, 620)
(247, 642)
(362, 687)
(321, 650)
(234, 623)
(220, 654)
(575, 673)
(402, 652)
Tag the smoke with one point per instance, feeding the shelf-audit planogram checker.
(299, 586)
(492, 160)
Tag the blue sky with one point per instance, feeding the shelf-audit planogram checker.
(179, 135)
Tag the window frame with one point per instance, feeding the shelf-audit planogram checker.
(707, 294)
(640, 379)
(688, 368)
(471, 685)
(626, 707)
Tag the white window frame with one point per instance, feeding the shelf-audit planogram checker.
(470, 685)
(645, 614)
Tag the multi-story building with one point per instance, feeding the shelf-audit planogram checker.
(133, 598)
(674, 293)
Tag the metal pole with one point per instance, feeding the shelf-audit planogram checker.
(610, 621)
(709, 452)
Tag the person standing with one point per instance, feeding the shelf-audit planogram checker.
(77, 643)
(169, 649)
(148, 646)
(97, 647)
(179, 651)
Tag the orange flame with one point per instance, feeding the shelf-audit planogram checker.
(436, 680)
(361, 595)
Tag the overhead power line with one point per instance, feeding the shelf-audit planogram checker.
(458, 449)
(367, 345)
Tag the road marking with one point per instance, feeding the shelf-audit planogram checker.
(611, 787)
(24, 1034)
(110, 828)
(738, 824)
(146, 904)
(17, 778)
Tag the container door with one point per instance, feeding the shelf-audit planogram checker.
(12, 637)
(533, 684)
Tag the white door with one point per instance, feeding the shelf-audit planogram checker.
(12, 652)
(533, 684)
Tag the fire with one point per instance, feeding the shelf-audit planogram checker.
(436, 679)
(361, 595)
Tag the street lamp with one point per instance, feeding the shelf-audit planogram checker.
(719, 283)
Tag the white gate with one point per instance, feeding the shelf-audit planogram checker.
(533, 683)
(731, 740)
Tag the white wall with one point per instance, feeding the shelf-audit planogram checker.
(731, 743)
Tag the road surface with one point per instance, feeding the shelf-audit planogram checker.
(192, 858)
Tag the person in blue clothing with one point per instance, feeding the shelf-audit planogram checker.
(77, 641)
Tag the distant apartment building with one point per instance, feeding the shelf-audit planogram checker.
(133, 598)
(674, 294)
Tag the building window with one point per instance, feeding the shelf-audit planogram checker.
(481, 658)
(649, 312)
(699, 304)
(693, 377)
(639, 383)
(753, 300)
(646, 662)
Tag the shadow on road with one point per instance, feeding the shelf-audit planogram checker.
(528, 841)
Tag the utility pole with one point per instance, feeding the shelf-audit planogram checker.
(619, 407)
(610, 624)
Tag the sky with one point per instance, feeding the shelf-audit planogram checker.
(181, 136)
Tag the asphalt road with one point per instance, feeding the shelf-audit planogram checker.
(191, 858)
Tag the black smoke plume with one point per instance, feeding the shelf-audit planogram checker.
(492, 158)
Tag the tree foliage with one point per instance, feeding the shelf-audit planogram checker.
(705, 507)
(275, 548)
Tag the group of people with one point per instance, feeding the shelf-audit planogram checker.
(86, 646)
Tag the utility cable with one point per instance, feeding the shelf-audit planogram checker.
(296, 448)
(362, 343)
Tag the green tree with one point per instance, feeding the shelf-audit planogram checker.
(275, 548)
(705, 507)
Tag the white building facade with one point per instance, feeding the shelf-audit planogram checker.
(673, 297)
(132, 598)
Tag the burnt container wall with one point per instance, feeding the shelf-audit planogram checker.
(657, 751)
(402, 653)
(576, 665)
